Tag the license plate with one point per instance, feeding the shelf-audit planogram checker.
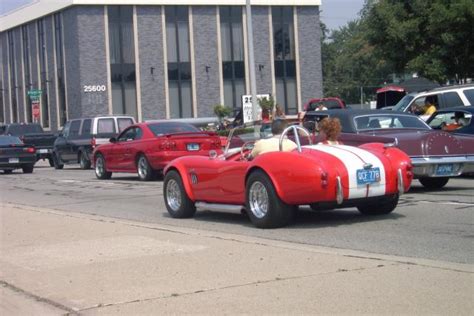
(444, 169)
(43, 151)
(13, 160)
(366, 176)
(192, 147)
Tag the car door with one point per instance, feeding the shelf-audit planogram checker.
(60, 144)
(121, 154)
(72, 146)
(131, 148)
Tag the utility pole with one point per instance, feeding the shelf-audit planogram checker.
(253, 83)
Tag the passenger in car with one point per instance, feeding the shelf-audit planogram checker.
(273, 143)
(330, 128)
(459, 121)
(429, 107)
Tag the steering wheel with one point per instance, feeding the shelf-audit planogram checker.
(246, 149)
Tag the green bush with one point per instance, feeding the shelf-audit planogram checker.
(221, 111)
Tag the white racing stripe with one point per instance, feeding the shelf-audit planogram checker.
(354, 159)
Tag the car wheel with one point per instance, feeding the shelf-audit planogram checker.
(27, 168)
(100, 169)
(144, 170)
(51, 161)
(57, 162)
(385, 206)
(84, 162)
(434, 183)
(177, 201)
(264, 206)
(8, 171)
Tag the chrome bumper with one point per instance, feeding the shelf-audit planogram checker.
(426, 167)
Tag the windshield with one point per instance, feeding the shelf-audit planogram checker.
(403, 103)
(385, 121)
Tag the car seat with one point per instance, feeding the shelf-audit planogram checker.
(374, 124)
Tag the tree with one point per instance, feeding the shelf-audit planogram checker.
(433, 38)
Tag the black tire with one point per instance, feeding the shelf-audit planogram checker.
(57, 162)
(27, 168)
(177, 201)
(8, 171)
(84, 162)
(277, 214)
(144, 170)
(100, 168)
(434, 183)
(381, 207)
(51, 161)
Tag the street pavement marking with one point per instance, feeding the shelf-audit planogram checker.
(53, 256)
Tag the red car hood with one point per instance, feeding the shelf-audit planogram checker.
(430, 142)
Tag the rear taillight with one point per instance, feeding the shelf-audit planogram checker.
(93, 142)
(168, 145)
(29, 150)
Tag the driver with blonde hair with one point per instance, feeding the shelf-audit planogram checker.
(273, 143)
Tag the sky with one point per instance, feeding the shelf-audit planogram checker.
(334, 13)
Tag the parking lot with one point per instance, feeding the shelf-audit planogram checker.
(435, 225)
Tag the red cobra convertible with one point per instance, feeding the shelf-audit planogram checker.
(272, 185)
(146, 148)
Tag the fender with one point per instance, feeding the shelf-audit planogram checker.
(179, 166)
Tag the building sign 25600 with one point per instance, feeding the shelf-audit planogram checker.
(95, 88)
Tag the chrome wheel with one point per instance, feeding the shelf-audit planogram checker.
(99, 167)
(142, 167)
(173, 195)
(258, 199)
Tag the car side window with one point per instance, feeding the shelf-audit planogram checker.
(74, 129)
(105, 126)
(128, 135)
(86, 128)
(469, 93)
(452, 99)
(66, 128)
(138, 133)
(123, 123)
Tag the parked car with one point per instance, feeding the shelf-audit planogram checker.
(79, 137)
(272, 185)
(32, 134)
(436, 155)
(146, 148)
(442, 98)
(14, 154)
(456, 120)
(329, 103)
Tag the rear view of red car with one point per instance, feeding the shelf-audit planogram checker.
(146, 148)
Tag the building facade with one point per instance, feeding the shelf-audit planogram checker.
(154, 59)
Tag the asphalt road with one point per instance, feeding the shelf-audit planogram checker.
(436, 225)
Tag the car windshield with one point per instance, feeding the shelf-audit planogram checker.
(385, 121)
(403, 103)
(163, 128)
(9, 140)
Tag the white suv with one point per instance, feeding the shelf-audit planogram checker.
(444, 97)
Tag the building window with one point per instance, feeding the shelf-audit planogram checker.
(179, 65)
(284, 54)
(43, 73)
(233, 66)
(122, 60)
(13, 74)
(26, 66)
(58, 42)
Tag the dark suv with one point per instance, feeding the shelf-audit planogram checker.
(79, 137)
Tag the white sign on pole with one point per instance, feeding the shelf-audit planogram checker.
(247, 107)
